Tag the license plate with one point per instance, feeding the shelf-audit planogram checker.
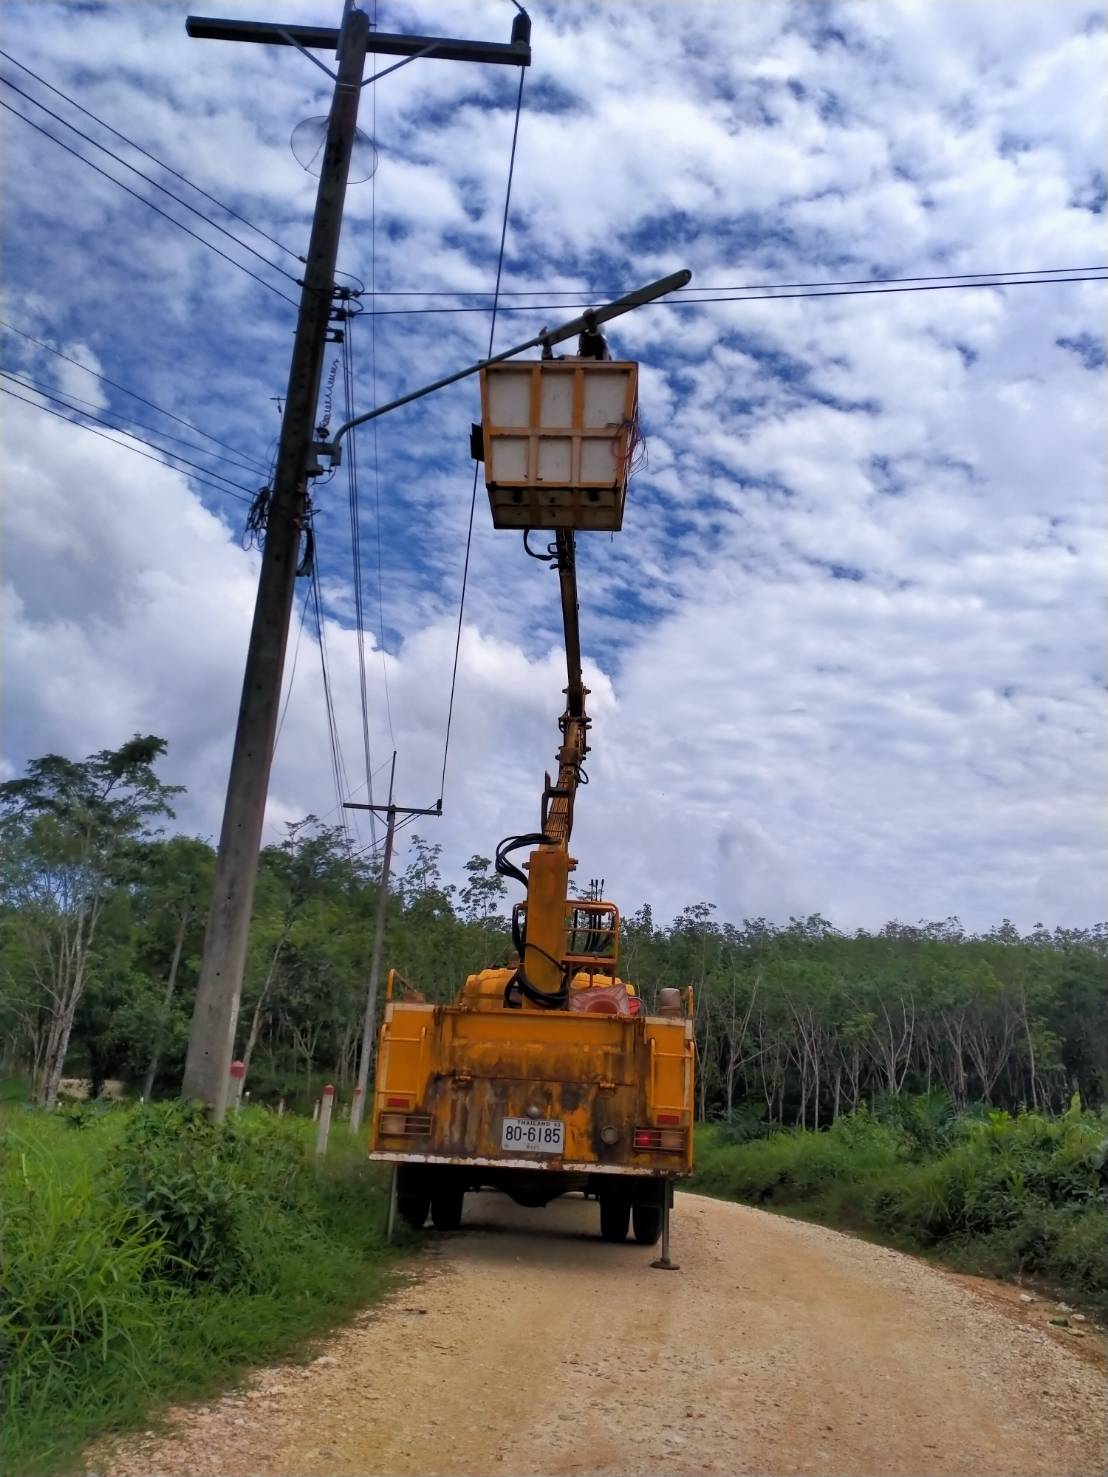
(534, 1135)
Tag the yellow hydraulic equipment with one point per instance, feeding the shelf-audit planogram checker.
(550, 1074)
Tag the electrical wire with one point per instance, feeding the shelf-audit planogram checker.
(44, 388)
(292, 670)
(409, 820)
(476, 466)
(152, 157)
(337, 766)
(100, 421)
(207, 472)
(777, 297)
(611, 292)
(359, 787)
(144, 201)
(57, 117)
(373, 399)
(400, 826)
(356, 559)
(125, 391)
(80, 425)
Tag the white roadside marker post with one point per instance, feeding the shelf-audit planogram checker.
(326, 1104)
(356, 1110)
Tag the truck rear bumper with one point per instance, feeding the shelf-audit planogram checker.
(557, 1166)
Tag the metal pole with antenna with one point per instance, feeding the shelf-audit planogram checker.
(369, 1025)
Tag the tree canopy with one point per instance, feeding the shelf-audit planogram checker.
(101, 930)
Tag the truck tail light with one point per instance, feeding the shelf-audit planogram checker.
(669, 1140)
(669, 1117)
(403, 1101)
(404, 1125)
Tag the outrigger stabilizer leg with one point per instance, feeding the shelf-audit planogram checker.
(663, 1263)
(391, 1222)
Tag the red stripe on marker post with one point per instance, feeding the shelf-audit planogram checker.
(238, 1078)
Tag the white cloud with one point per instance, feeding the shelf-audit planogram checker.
(846, 652)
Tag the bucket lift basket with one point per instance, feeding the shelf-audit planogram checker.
(558, 438)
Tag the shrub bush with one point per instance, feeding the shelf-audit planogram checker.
(151, 1256)
(1007, 1194)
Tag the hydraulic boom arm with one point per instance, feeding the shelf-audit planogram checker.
(557, 816)
(542, 977)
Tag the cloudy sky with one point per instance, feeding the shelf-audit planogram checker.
(847, 654)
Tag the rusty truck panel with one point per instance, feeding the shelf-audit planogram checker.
(448, 1077)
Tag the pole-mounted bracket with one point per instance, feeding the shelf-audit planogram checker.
(315, 451)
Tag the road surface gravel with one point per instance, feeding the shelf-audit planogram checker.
(524, 1344)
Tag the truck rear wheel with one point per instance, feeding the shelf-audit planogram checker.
(446, 1208)
(646, 1221)
(615, 1217)
(413, 1206)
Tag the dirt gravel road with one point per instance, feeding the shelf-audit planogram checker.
(525, 1345)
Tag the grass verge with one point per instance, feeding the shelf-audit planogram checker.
(149, 1257)
(996, 1194)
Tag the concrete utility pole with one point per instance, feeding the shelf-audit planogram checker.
(357, 1106)
(211, 1042)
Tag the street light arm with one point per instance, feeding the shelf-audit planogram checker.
(592, 316)
(590, 319)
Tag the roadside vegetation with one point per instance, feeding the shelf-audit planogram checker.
(101, 931)
(986, 1191)
(913, 1082)
(147, 1256)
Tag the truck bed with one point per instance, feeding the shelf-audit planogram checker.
(459, 1086)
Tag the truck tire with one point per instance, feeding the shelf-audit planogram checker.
(413, 1206)
(446, 1208)
(646, 1221)
(615, 1217)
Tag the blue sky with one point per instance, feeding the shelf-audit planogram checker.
(847, 653)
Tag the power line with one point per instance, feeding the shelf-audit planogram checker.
(152, 157)
(606, 292)
(356, 558)
(38, 385)
(144, 201)
(57, 117)
(69, 359)
(100, 421)
(357, 790)
(376, 443)
(693, 302)
(476, 467)
(337, 766)
(80, 425)
(407, 821)
(292, 671)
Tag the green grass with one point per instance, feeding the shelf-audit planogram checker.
(147, 1257)
(14, 1090)
(1004, 1195)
